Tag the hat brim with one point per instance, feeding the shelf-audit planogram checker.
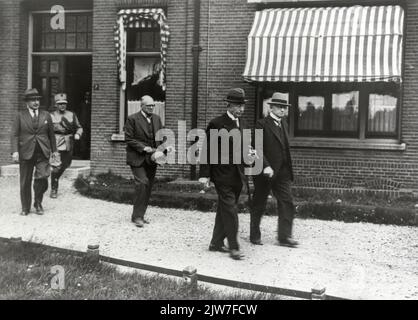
(33, 98)
(235, 101)
(279, 104)
(61, 101)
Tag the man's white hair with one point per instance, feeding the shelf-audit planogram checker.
(147, 100)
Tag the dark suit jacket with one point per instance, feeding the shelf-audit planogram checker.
(274, 149)
(25, 136)
(137, 137)
(226, 174)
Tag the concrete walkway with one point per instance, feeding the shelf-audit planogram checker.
(357, 260)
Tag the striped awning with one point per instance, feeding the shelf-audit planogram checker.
(139, 18)
(347, 44)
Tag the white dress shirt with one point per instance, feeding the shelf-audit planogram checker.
(276, 119)
(236, 120)
(146, 117)
(33, 113)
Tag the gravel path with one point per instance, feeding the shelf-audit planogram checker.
(357, 260)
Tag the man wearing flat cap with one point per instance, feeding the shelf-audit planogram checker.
(32, 142)
(141, 155)
(277, 174)
(227, 176)
(67, 128)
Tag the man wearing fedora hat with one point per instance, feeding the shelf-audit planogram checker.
(227, 176)
(277, 174)
(67, 128)
(33, 140)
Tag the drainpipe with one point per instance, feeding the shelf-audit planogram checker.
(196, 49)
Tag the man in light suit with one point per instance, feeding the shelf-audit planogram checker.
(67, 128)
(32, 141)
(140, 132)
(277, 174)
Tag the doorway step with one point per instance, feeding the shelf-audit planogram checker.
(78, 167)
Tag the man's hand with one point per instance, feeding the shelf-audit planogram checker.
(268, 172)
(170, 149)
(205, 182)
(56, 156)
(15, 157)
(252, 154)
(77, 136)
(149, 150)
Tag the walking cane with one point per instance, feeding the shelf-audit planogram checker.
(250, 201)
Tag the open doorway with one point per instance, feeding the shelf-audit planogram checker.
(72, 75)
(78, 85)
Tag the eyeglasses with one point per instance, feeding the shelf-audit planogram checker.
(150, 105)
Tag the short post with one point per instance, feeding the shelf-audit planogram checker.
(416, 215)
(318, 293)
(93, 253)
(190, 277)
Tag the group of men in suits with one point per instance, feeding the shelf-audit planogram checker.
(38, 136)
(38, 140)
(228, 176)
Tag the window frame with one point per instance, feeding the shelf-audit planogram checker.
(38, 19)
(327, 89)
(131, 55)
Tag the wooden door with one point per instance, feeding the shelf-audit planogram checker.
(48, 78)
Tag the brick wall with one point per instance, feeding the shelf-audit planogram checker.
(224, 29)
(228, 24)
(107, 155)
(9, 67)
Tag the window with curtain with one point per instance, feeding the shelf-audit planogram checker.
(143, 69)
(340, 110)
(141, 42)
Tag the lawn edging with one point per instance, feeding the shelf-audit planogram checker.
(178, 198)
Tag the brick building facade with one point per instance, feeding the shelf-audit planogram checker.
(224, 29)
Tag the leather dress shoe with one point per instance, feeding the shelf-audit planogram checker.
(215, 248)
(139, 222)
(54, 194)
(145, 221)
(288, 243)
(39, 209)
(24, 213)
(257, 242)
(236, 254)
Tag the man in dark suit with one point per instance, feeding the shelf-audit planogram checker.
(277, 174)
(141, 147)
(32, 141)
(227, 174)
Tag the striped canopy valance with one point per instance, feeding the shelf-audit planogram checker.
(139, 18)
(350, 44)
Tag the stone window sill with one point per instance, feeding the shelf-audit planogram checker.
(117, 137)
(369, 144)
(332, 143)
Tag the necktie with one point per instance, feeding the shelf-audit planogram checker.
(35, 118)
(277, 123)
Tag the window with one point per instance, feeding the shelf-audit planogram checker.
(340, 110)
(76, 36)
(144, 72)
(141, 43)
